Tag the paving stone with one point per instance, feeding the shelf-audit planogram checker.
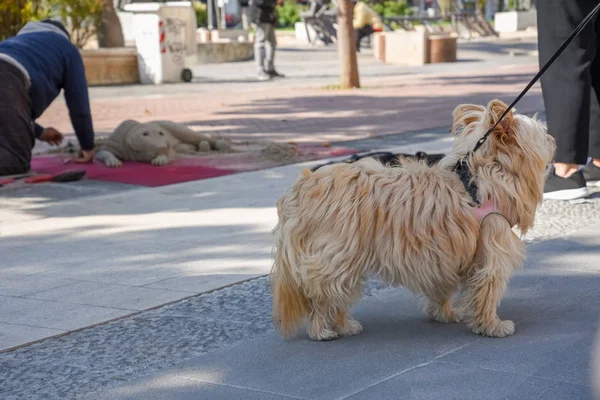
(109, 295)
(439, 380)
(200, 283)
(12, 335)
(183, 388)
(54, 315)
(19, 285)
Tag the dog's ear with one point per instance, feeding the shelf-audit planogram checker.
(466, 114)
(505, 128)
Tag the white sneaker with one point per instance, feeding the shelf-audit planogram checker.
(263, 76)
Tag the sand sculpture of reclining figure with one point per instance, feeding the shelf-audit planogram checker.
(157, 142)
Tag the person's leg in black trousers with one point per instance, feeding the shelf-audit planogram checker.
(362, 33)
(591, 172)
(567, 88)
(16, 125)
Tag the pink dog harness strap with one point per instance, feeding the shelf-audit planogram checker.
(489, 207)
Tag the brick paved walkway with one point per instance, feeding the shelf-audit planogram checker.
(385, 106)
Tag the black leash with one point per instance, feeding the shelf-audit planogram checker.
(461, 167)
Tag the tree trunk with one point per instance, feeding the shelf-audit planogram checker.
(111, 33)
(347, 45)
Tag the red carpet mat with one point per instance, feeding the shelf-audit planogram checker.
(184, 169)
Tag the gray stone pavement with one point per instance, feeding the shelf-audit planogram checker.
(554, 301)
(85, 253)
(210, 237)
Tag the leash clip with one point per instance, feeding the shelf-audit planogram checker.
(464, 173)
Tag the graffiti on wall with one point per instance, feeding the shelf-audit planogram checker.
(175, 30)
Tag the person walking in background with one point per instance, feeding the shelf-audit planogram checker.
(34, 66)
(571, 91)
(263, 15)
(366, 21)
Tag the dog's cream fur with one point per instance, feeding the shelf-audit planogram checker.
(412, 226)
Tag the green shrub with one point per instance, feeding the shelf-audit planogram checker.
(81, 17)
(201, 14)
(513, 5)
(392, 8)
(288, 13)
(14, 14)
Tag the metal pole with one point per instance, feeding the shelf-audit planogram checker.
(223, 17)
(245, 23)
(217, 15)
(211, 20)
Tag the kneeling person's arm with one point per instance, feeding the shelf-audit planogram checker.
(77, 98)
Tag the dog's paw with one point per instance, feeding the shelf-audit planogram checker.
(108, 158)
(204, 146)
(446, 319)
(114, 163)
(458, 315)
(443, 313)
(185, 148)
(349, 328)
(160, 161)
(325, 335)
(498, 329)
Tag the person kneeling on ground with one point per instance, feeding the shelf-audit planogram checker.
(366, 21)
(263, 15)
(34, 66)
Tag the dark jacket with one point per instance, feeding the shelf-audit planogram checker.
(53, 63)
(263, 12)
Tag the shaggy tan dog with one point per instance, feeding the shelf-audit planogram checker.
(413, 226)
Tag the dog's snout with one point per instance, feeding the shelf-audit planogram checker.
(164, 150)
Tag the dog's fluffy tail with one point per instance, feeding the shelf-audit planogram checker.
(290, 305)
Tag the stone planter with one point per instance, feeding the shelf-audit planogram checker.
(513, 21)
(209, 53)
(379, 45)
(232, 35)
(441, 49)
(406, 47)
(418, 47)
(117, 66)
(203, 35)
